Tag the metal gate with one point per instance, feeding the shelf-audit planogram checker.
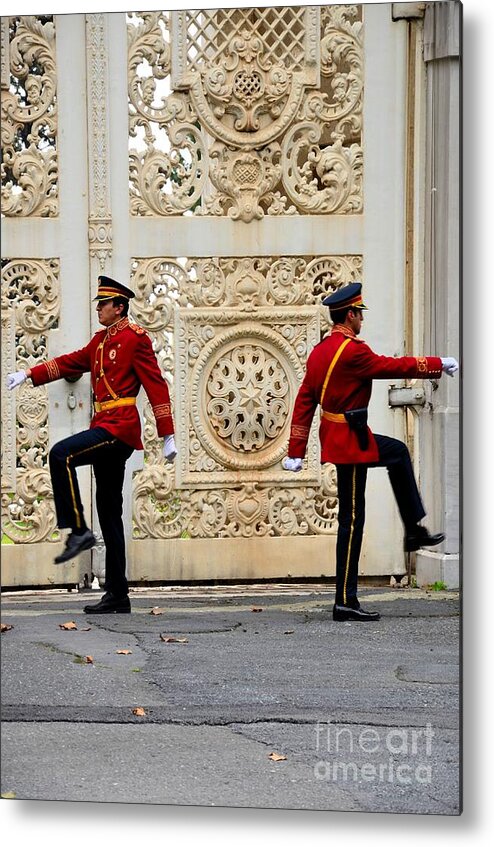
(233, 166)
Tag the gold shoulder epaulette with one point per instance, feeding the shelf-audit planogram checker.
(137, 329)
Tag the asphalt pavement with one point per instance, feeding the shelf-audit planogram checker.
(234, 696)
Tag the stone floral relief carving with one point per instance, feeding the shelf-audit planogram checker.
(233, 336)
(168, 168)
(29, 169)
(251, 112)
(100, 224)
(30, 303)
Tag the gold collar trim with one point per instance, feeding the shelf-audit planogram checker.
(345, 330)
(116, 327)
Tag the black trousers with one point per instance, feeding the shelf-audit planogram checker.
(393, 455)
(108, 457)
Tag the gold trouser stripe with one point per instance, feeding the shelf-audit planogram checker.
(352, 526)
(113, 404)
(331, 367)
(334, 417)
(71, 481)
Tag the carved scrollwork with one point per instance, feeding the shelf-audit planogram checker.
(321, 504)
(166, 183)
(29, 516)
(31, 287)
(286, 512)
(246, 283)
(148, 47)
(322, 181)
(342, 64)
(169, 167)
(207, 515)
(157, 284)
(245, 182)
(306, 511)
(30, 294)
(288, 283)
(326, 274)
(246, 93)
(35, 175)
(207, 283)
(278, 92)
(246, 511)
(29, 121)
(158, 510)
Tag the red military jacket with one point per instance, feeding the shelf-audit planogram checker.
(349, 387)
(120, 359)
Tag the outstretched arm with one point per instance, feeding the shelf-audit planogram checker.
(69, 364)
(369, 365)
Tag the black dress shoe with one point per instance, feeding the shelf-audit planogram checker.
(421, 537)
(75, 544)
(109, 605)
(348, 613)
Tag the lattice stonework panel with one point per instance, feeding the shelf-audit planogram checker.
(246, 112)
(232, 336)
(29, 117)
(30, 309)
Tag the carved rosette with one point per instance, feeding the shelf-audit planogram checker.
(264, 105)
(239, 384)
(30, 304)
(233, 336)
(29, 119)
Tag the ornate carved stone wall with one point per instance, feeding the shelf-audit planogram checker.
(232, 336)
(30, 303)
(100, 220)
(30, 309)
(240, 113)
(29, 117)
(246, 112)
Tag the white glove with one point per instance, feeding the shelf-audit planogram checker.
(169, 449)
(13, 380)
(449, 365)
(292, 464)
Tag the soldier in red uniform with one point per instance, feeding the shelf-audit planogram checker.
(339, 378)
(120, 359)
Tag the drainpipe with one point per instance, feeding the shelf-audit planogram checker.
(440, 428)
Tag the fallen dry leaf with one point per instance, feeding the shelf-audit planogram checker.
(6, 626)
(124, 652)
(156, 611)
(171, 638)
(140, 712)
(256, 609)
(276, 757)
(68, 625)
(89, 660)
